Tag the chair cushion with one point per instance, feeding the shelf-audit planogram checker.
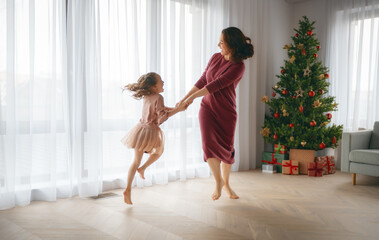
(365, 156)
(374, 142)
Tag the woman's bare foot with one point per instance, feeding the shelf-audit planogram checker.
(230, 192)
(217, 193)
(127, 196)
(141, 173)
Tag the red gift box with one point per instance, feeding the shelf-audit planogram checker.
(315, 169)
(328, 163)
(278, 148)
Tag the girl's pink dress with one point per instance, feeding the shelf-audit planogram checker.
(146, 135)
(218, 115)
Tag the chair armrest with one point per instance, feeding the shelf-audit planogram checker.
(352, 141)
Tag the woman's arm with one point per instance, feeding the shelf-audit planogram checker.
(199, 93)
(193, 90)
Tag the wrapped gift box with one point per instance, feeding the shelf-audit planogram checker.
(290, 167)
(329, 164)
(278, 148)
(322, 162)
(269, 168)
(315, 169)
(275, 159)
(303, 157)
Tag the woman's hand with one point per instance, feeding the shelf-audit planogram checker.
(168, 108)
(187, 102)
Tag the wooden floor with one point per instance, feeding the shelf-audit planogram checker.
(271, 207)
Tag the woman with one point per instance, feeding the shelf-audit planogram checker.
(218, 115)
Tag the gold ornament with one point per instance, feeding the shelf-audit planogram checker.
(276, 86)
(265, 99)
(317, 104)
(287, 46)
(321, 76)
(265, 132)
(300, 92)
(303, 143)
(325, 123)
(300, 46)
(292, 59)
(292, 138)
(295, 76)
(307, 71)
(285, 113)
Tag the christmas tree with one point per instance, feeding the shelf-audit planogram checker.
(300, 107)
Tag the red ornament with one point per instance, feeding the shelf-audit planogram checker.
(301, 109)
(291, 125)
(320, 91)
(283, 71)
(296, 35)
(303, 52)
(329, 115)
(276, 136)
(311, 93)
(326, 75)
(322, 145)
(310, 33)
(312, 123)
(334, 140)
(276, 115)
(315, 55)
(294, 96)
(273, 94)
(284, 91)
(318, 47)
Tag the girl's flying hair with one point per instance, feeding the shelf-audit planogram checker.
(143, 86)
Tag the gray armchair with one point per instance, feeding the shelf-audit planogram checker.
(360, 152)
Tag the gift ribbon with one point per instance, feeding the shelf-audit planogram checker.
(273, 160)
(329, 164)
(289, 164)
(317, 170)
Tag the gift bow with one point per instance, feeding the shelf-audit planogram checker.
(289, 164)
(329, 164)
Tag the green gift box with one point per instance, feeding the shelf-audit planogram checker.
(274, 158)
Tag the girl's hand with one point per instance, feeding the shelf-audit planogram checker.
(168, 108)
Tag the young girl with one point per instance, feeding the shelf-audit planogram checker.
(146, 136)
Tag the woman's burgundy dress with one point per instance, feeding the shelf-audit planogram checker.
(218, 115)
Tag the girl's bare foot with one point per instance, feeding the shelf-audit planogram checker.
(127, 196)
(217, 193)
(141, 173)
(230, 192)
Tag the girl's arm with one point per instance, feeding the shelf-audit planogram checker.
(163, 112)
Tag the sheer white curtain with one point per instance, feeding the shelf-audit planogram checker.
(353, 60)
(34, 127)
(63, 112)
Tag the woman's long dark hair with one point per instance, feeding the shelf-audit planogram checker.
(239, 44)
(143, 86)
